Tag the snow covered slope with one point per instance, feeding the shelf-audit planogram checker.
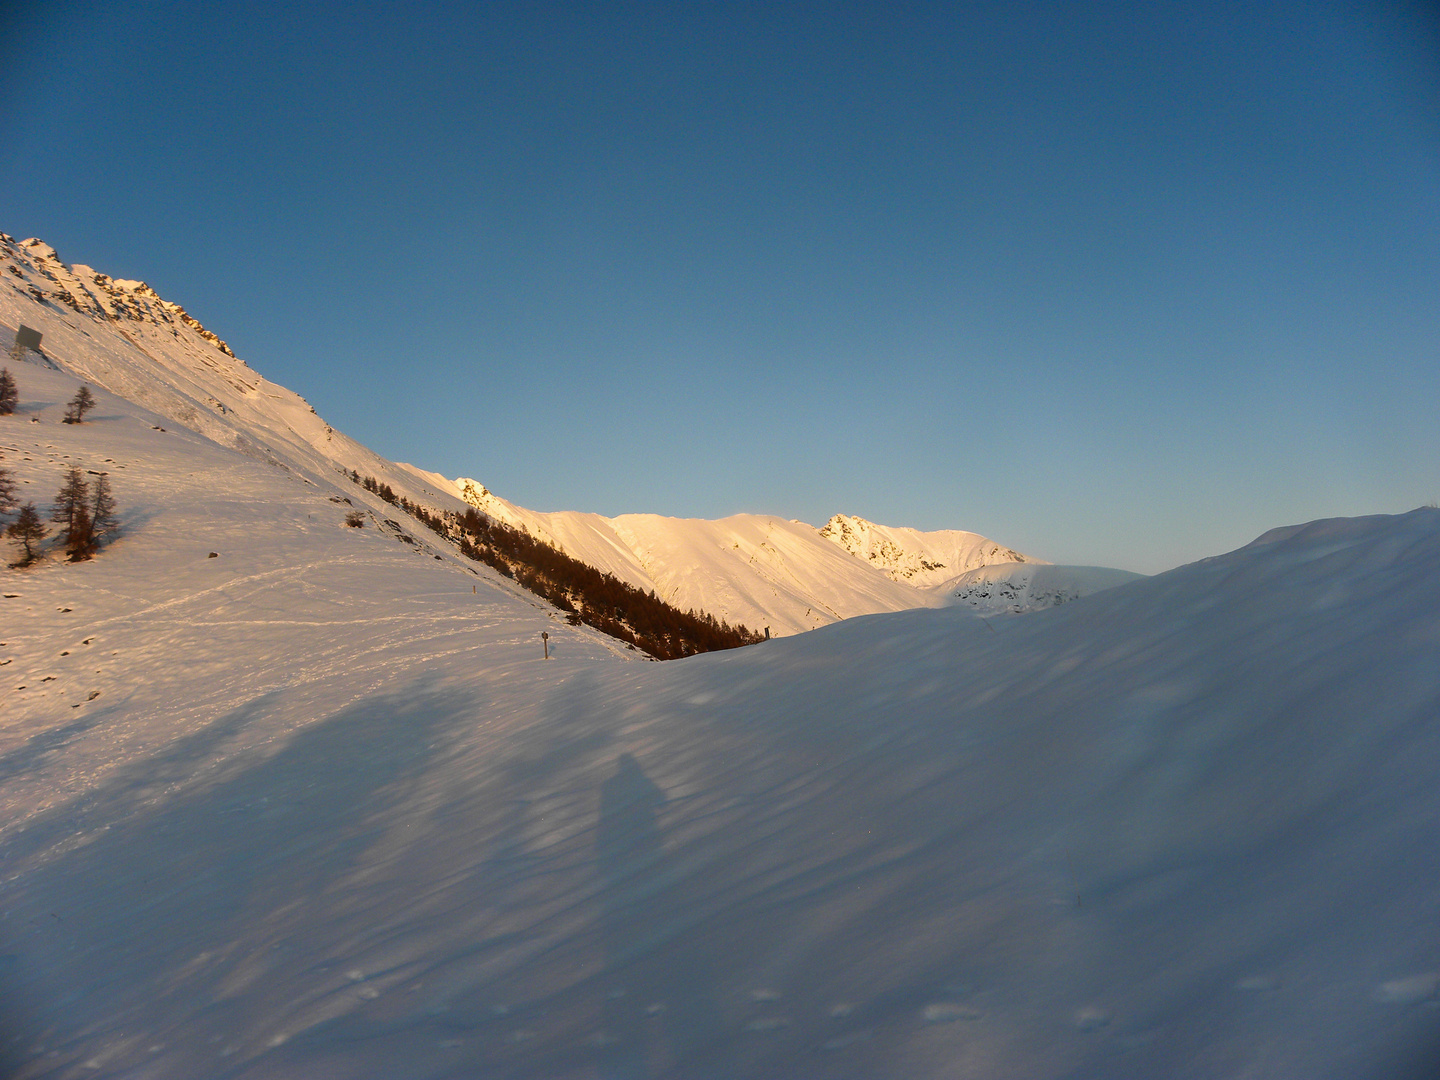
(1015, 588)
(921, 559)
(157, 637)
(122, 337)
(752, 569)
(755, 570)
(316, 806)
(313, 807)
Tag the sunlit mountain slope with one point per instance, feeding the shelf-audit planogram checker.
(756, 570)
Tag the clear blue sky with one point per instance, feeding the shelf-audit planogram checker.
(1122, 284)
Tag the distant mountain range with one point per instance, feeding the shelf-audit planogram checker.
(760, 571)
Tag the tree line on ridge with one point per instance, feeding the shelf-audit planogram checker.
(585, 594)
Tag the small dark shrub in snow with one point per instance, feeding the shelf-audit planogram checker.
(79, 405)
(9, 396)
(80, 538)
(9, 497)
(102, 510)
(70, 501)
(28, 529)
(355, 519)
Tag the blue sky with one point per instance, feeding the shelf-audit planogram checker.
(1123, 284)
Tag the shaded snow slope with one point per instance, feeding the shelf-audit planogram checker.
(921, 559)
(331, 815)
(1015, 588)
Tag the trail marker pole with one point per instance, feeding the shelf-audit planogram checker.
(545, 642)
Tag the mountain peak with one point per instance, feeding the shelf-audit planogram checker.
(87, 292)
(474, 492)
(921, 559)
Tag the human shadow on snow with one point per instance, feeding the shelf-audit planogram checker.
(660, 994)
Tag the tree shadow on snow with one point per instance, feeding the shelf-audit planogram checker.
(25, 757)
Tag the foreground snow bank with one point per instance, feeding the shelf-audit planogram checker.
(1186, 828)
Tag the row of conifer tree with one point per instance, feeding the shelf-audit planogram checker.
(85, 511)
(585, 594)
(75, 408)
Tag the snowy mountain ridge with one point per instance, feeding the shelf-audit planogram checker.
(781, 574)
(121, 336)
(755, 570)
(83, 289)
(921, 559)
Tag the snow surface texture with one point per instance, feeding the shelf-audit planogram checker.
(316, 807)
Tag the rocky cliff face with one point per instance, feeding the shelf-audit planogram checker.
(122, 336)
(85, 291)
(922, 559)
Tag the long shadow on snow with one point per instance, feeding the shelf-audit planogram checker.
(566, 955)
(175, 906)
(33, 750)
